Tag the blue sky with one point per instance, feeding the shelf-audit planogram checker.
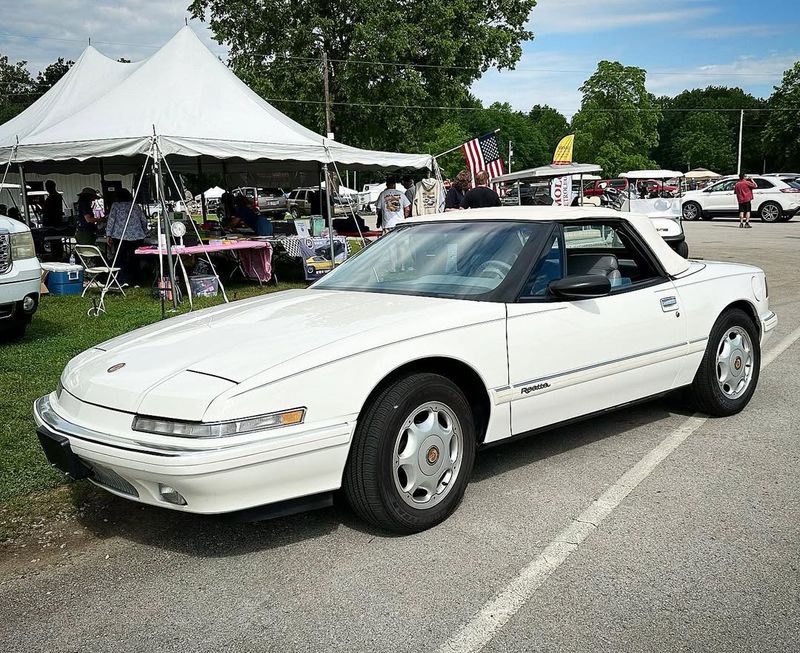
(682, 43)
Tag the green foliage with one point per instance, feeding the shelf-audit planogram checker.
(617, 125)
(552, 125)
(276, 48)
(780, 134)
(705, 141)
(48, 77)
(681, 128)
(17, 88)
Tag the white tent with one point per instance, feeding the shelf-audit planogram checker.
(702, 173)
(182, 96)
(212, 193)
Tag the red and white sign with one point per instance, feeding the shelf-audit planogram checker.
(561, 191)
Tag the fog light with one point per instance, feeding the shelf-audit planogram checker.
(171, 495)
(28, 304)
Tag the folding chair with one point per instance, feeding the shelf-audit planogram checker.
(88, 254)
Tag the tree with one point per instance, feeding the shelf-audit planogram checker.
(384, 56)
(725, 103)
(446, 136)
(552, 125)
(705, 142)
(48, 77)
(780, 133)
(617, 125)
(17, 89)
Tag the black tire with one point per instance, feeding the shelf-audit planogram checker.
(692, 211)
(705, 390)
(369, 482)
(295, 213)
(683, 249)
(770, 212)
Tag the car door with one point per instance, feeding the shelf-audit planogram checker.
(721, 198)
(569, 358)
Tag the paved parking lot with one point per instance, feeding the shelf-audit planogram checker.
(696, 548)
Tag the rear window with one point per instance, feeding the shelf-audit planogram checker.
(271, 192)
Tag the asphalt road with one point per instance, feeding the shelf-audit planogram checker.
(700, 554)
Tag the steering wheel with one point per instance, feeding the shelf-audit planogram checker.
(494, 267)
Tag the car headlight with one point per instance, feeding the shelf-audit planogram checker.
(22, 246)
(218, 429)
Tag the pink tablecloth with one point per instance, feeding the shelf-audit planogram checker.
(202, 249)
(254, 256)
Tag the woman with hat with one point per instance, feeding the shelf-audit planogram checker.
(86, 224)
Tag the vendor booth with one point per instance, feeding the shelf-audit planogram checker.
(137, 118)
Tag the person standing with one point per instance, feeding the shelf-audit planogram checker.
(408, 184)
(392, 205)
(53, 215)
(86, 223)
(125, 238)
(458, 188)
(481, 196)
(744, 195)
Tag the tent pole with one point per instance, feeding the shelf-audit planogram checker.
(103, 185)
(167, 231)
(25, 209)
(203, 206)
(329, 210)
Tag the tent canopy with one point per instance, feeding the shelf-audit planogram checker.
(184, 97)
(702, 173)
(651, 174)
(550, 172)
(212, 193)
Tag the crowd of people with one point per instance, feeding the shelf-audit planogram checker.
(394, 205)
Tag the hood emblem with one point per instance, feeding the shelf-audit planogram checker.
(116, 367)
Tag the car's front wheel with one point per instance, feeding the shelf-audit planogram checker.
(770, 212)
(692, 211)
(728, 374)
(412, 454)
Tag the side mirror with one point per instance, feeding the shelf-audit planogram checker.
(585, 286)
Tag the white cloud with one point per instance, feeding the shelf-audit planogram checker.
(731, 31)
(571, 16)
(125, 28)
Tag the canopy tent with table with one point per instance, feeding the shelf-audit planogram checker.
(550, 172)
(129, 116)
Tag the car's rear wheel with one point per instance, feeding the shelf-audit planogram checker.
(692, 211)
(728, 374)
(770, 212)
(295, 213)
(412, 454)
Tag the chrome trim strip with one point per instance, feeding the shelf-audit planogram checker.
(551, 377)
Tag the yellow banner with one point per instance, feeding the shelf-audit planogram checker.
(563, 153)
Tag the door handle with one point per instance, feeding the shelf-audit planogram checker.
(669, 304)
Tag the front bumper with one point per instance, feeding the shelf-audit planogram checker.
(274, 469)
(22, 280)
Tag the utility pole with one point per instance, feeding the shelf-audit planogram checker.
(741, 131)
(327, 94)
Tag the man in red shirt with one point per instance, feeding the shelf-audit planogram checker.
(744, 195)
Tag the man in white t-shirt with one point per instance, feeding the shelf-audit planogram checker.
(392, 205)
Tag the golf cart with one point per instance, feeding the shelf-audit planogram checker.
(650, 193)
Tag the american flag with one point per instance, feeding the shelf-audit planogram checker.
(483, 153)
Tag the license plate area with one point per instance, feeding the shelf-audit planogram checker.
(60, 455)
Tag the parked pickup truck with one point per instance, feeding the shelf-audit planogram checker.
(20, 277)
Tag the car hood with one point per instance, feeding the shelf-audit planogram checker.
(189, 360)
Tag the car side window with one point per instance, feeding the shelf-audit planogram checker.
(589, 249)
(763, 183)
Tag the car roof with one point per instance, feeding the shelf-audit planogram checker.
(672, 262)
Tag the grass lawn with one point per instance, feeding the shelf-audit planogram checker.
(31, 368)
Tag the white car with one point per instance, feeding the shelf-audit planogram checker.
(20, 277)
(774, 200)
(383, 378)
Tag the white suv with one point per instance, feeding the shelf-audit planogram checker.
(774, 200)
(20, 277)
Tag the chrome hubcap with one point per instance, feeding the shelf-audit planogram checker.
(734, 362)
(427, 455)
(690, 211)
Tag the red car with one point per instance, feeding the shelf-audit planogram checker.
(598, 188)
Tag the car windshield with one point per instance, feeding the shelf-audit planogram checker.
(438, 259)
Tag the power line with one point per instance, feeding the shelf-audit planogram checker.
(400, 64)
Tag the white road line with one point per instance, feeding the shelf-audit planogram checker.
(474, 635)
